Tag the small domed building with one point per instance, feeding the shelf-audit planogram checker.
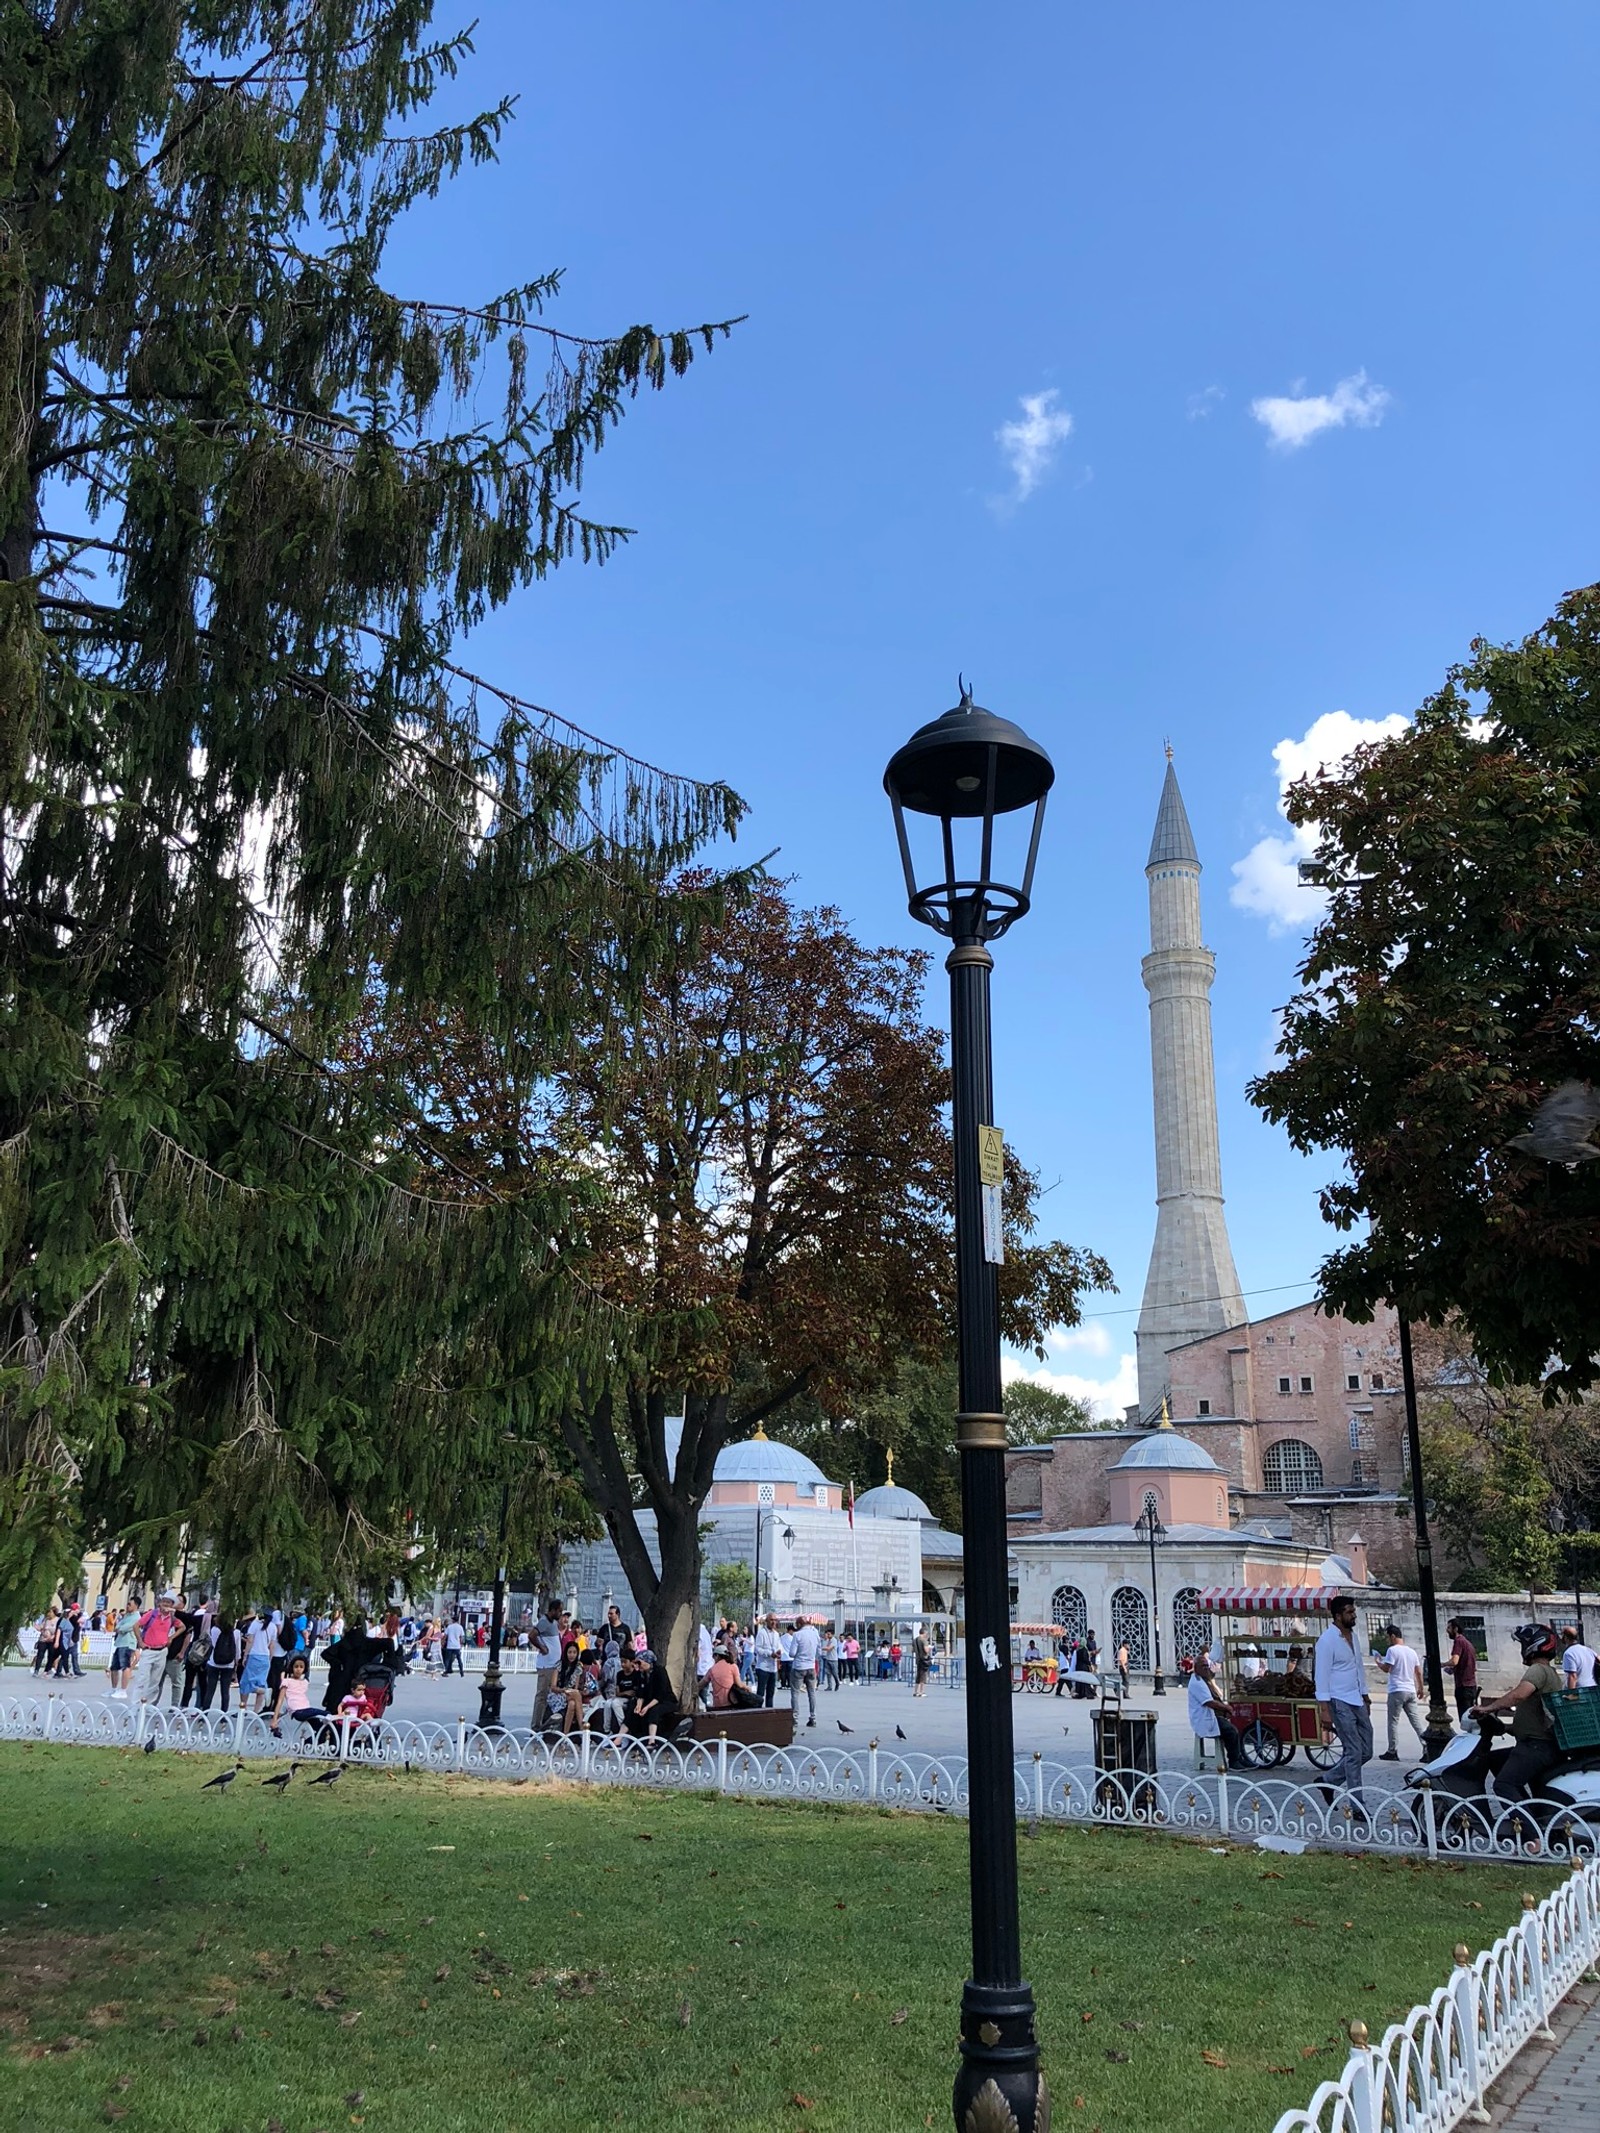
(1097, 1577)
(773, 1509)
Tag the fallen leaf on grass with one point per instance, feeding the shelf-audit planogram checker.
(1117, 2058)
(441, 1847)
(1280, 2069)
(1213, 2057)
(1309, 2051)
(441, 1973)
(901, 2014)
(356, 2098)
(328, 1949)
(327, 2001)
(349, 2021)
(1130, 2025)
(801, 2103)
(1271, 1874)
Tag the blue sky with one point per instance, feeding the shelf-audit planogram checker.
(1295, 311)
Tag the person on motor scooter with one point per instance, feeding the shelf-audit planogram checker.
(1531, 1726)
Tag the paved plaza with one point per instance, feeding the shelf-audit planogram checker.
(1057, 1726)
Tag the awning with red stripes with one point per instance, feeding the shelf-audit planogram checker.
(1267, 1599)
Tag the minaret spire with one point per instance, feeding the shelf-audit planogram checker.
(1191, 1288)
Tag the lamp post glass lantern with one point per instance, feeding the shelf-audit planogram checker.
(966, 772)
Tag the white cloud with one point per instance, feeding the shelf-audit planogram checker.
(1029, 446)
(1292, 420)
(1266, 879)
(1107, 1396)
(1204, 403)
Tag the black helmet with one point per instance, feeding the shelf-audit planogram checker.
(1538, 1641)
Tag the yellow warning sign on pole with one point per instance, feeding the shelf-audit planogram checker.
(991, 1155)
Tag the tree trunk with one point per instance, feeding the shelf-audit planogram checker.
(672, 1611)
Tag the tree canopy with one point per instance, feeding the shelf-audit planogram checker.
(1453, 984)
(770, 1142)
(251, 496)
(1035, 1413)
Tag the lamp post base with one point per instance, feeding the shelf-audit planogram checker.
(1000, 2087)
(1158, 1683)
(490, 1692)
(1439, 1732)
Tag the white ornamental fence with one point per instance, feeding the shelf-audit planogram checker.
(1270, 1811)
(1431, 2071)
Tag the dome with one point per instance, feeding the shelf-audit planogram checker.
(765, 1459)
(889, 1500)
(1165, 1448)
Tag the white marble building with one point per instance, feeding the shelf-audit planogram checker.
(771, 1505)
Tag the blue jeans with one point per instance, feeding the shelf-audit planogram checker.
(1353, 1724)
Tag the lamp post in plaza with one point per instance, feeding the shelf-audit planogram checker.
(1317, 874)
(1148, 1526)
(965, 771)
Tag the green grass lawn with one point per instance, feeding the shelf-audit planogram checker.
(425, 1953)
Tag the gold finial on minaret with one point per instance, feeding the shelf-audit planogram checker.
(1166, 1418)
(890, 1457)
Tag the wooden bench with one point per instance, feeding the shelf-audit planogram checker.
(747, 1728)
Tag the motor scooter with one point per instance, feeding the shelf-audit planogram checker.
(1464, 1771)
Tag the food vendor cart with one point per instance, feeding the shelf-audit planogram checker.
(1038, 1674)
(1265, 1673)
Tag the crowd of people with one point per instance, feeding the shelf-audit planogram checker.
(609, 1680)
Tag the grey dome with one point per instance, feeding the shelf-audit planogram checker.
(1164, 1448)
(765, 1459)
(889, 1500)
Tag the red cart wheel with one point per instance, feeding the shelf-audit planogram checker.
(1261, 1748)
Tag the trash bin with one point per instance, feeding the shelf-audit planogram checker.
(1124, 1741)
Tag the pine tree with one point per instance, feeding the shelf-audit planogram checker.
(249, 503)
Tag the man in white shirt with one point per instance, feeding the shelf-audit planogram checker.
(807, 1643)
(1209, 1717)
(454, 1638)
(769, 1650)
(1577, 1661)
(1404, 1670)
(1342, 1701)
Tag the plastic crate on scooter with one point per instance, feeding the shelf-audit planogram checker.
(1575, 1714)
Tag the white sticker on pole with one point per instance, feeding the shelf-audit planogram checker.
(991, 1178)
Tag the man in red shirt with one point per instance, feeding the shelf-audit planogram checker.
(157, 1629)
(1463, 1666)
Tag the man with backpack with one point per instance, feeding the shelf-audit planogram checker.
(222, 1663)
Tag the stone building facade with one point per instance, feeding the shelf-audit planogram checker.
(1304, 1414)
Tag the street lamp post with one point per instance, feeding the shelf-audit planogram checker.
(1149, 1527)
(1316, 873)
(1439, 1730)
(967, 768)
(493, 1688)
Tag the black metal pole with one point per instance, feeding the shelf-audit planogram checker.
(1158, 1686)
(493, 1687)
(1439, 1730)
(999, 2084)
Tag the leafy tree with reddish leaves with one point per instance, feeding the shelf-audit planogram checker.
(1453, 984)
(777, 1219)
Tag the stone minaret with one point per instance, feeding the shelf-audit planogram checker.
(1191, 1288)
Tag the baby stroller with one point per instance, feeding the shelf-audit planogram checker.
(376, 1683)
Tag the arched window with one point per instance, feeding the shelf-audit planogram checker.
(1290, 1468)
(1130, 1625)
(1191, 1630)
(1069, 1611)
